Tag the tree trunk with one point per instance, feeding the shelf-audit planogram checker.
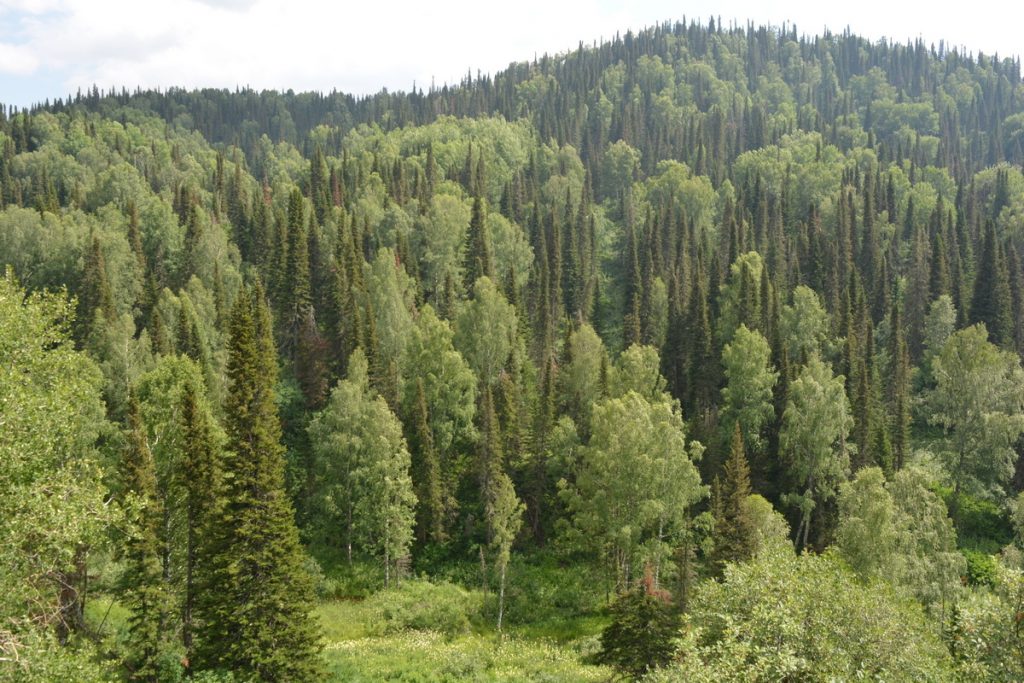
(483, 571)
(72, 597)
(501, 596)
(186, 608)
(348, 536)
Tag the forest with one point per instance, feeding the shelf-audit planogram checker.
(692, 355)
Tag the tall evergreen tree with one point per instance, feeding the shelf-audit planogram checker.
(200, 474)
(426, 474)
(734, 528)
(479, 257)
(254, 615)
(144, 592)
(992, 300)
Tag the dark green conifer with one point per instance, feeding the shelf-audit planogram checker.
(142, 581)
(200, 473)
(96, 296)
(295, 293)
(479, 259)
(992, 300)
(426, 474)
(941, 281)
(254, 615)
(734, 532)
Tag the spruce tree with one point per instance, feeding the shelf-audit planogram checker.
(142, 581)
(642, 634)
(992, 297)
(426, 474)
(254, 615)
(96, 296)
(296, 293)
(200, 474)
(479, 259)
(899, 389)
(734, 532)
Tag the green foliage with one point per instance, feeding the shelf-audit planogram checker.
(363, 487)
(750, 379)
(634, 483)
(978, 400)
(735, 531)
(806, 617)
(37, 657)
(981, 524)
(804, 324)
(431, 658)
(985, 631)
(53, 505)
(254, 614)
(867, 531)
(142, 579)
(815, 424)
(981, 568)
(486, 331)
(424, 606)
(642, 635)
(637, 369)
(706, 197)
(580, 378)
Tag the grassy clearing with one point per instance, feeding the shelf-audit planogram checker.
(433, 631)
(378, 640)
(429, 656)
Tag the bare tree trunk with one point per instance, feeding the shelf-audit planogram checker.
(501, 596)
(348, 536)
(483, 571)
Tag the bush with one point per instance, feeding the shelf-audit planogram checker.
(337, 579)
(544, 591)
(981, 568)
(423, 606)
(787, 617)
(982, 525)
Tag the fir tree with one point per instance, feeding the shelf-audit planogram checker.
(479, 260)
(254, 615)
(426, 474)
(642, 634)
(992, 298)
(96, 294)
(200, 474)
(144, 593)
(734, 532)
(899, 389)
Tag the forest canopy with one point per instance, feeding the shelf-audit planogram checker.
(636, 338)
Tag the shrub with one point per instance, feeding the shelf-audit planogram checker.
(981, 568)
(425, 606)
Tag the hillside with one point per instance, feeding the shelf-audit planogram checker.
(308, 386)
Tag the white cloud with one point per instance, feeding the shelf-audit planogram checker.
(363, 46)
(17, 60)
(30, 6)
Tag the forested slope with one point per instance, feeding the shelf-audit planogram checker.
(647, 318)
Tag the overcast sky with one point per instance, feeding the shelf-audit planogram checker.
(49, 48)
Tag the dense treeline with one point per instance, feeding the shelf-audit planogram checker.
(668, 307)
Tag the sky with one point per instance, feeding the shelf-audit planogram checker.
(50, 48)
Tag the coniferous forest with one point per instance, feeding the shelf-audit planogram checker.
(694, 355)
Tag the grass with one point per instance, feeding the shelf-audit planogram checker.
(428, 656)
(359, 647)
(355, 650)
